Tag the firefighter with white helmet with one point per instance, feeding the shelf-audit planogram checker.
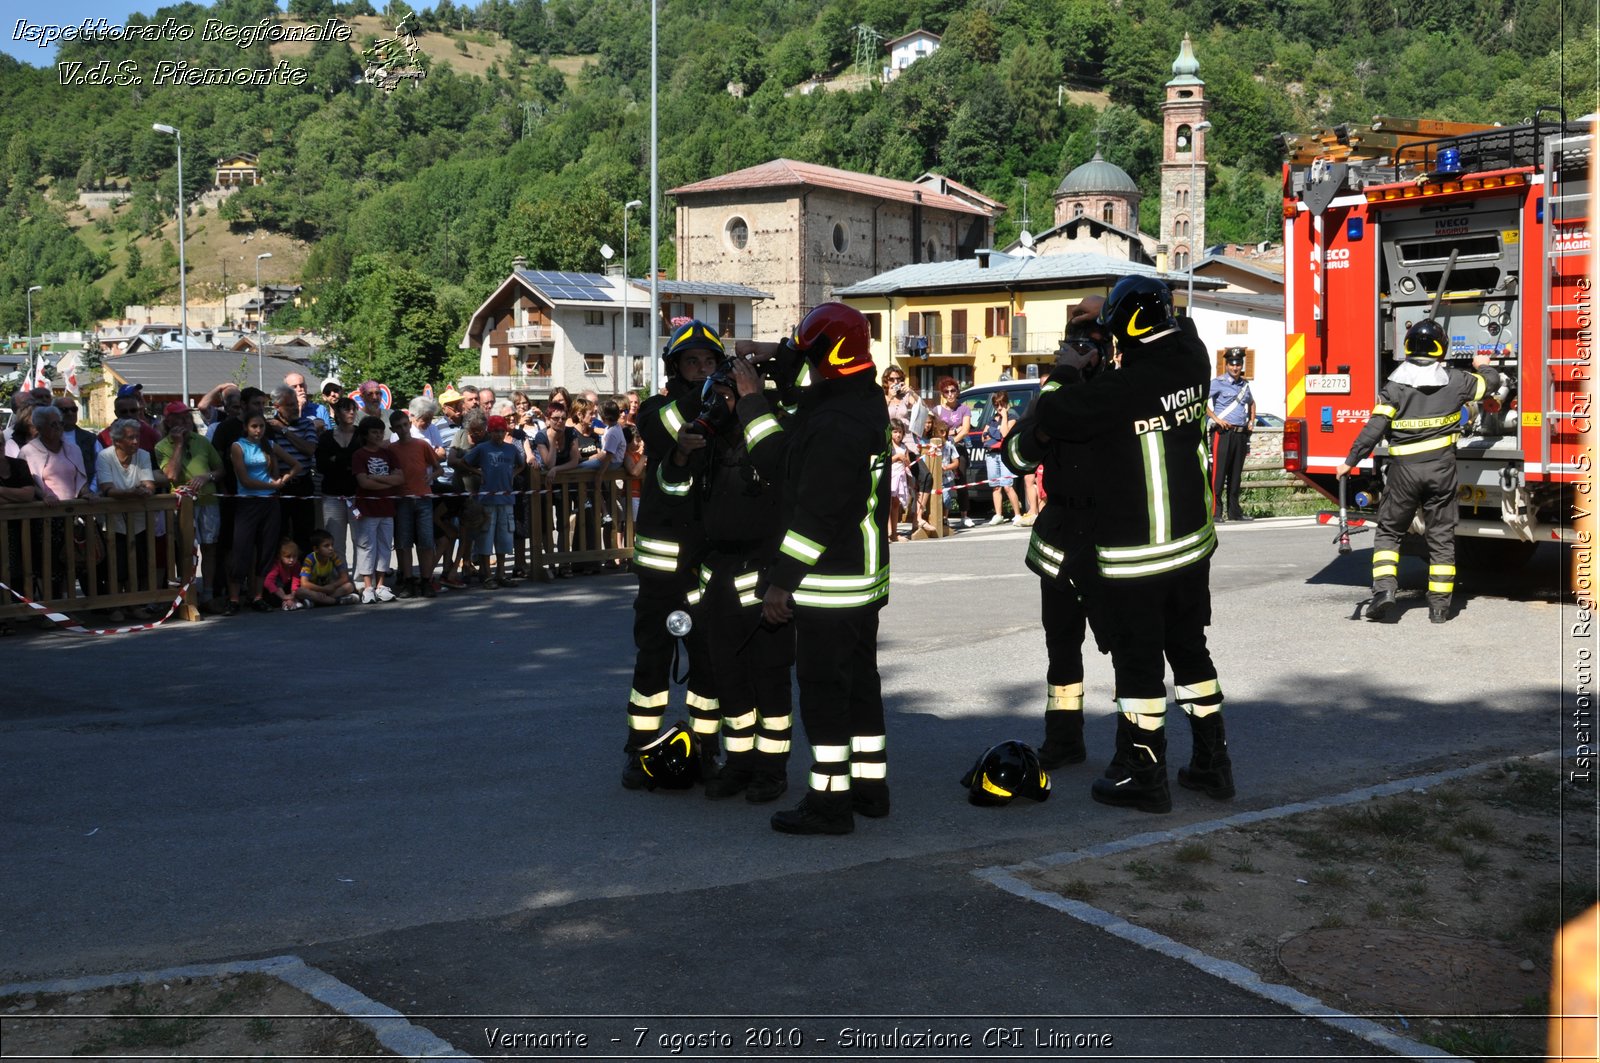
(1419, 413)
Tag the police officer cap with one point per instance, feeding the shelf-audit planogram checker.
(1234, 356)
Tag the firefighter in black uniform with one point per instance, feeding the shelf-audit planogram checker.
(667, 546)
(712, 474)
(1419, 410)
(1061, 553)
(831, 577)
(1153, 536)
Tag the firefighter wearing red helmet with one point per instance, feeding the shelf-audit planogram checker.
(831, 576)
(1153, 536)
(666, 557)
(1419, 411)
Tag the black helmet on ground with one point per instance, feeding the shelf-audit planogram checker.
(1008, 770)
(669, 761)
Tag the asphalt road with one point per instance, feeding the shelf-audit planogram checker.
(423, 799)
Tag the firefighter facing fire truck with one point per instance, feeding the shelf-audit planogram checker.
(1419, 412)
(667, 546)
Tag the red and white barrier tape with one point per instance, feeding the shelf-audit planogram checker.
(73, 627)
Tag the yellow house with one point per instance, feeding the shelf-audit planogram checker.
(983, 319)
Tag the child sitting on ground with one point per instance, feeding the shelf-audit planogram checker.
(283, 578)
(324, 579)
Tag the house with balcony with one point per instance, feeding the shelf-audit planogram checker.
(903, 51)
(543, 328)
(986, 318)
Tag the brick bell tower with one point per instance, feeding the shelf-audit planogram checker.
(1183, 161)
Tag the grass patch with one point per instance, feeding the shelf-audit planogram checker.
(143, 1028)
(1332, 878)
(1165, 877)
(1193, 853)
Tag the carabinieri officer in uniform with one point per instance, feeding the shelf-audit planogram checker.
(1232, 410)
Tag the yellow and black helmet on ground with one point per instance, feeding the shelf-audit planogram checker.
(669, 761)
(1427, 339)
(1006, 771)
(692, 335)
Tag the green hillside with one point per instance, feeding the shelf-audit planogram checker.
(531, 128)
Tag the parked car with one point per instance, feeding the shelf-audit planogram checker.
(981, 399)
(1268, 420)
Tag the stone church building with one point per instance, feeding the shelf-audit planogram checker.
(799, 231)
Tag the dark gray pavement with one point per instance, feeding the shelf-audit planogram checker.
(422, 798)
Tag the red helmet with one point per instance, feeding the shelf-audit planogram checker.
(836, 340)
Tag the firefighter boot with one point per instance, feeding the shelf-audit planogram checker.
(769, 777)
(818, 812)
(1382, 602)
(1210, 769)
(870, 797)
(633, 773)
(707, 746)
(734, 778)
(1141, 782)
(1063, 739)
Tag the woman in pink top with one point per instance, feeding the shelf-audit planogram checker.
(57, 468)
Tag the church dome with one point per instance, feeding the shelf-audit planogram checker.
(1097, 176)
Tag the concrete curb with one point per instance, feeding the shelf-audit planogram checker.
(1008, 878)
(392, 1029)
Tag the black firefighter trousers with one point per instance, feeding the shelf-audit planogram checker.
(1429, 483)
(841, 695)
(751, 664)
(1158, 621)
(649, 699)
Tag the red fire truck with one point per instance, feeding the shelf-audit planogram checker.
(1485, 229)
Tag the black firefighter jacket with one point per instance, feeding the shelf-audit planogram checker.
(1144, 424)
(831, 460)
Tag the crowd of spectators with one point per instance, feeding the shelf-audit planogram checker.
(933, 444)
(305, 500)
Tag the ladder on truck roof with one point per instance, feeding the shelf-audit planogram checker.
(1566, 202)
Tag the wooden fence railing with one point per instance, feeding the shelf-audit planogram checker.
(71, 557)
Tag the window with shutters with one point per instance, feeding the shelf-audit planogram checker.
(958, 331)
(1238, 326)
(997, 321)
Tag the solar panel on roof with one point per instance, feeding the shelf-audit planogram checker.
(559, 284)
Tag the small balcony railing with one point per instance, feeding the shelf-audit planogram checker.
(528, 334)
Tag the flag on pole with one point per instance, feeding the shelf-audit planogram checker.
(67, 370)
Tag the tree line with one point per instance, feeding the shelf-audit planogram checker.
(415, 202)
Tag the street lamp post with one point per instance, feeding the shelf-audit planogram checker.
(1195, 204)
(261, 322)
(655, 217)
(626, 283)
(32, 369)
(183, 277)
